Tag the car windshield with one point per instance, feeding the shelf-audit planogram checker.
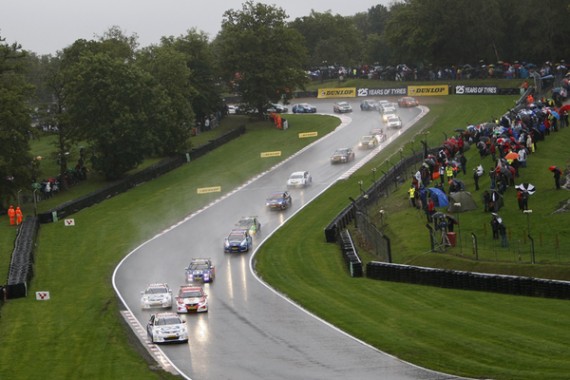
(190, 294)
(199, 266)
(174, 320)
(156, 290)
(276, 197)
(366, 138)
(236, 236)
(245, 222)
(297, 176)
(341, 152)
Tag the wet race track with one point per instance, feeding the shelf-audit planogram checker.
(251, 332)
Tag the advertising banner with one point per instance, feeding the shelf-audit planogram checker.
(438, 90)
(342, 92)
(476, 90)
(400, 91)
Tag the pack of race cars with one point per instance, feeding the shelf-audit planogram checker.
(168, 326)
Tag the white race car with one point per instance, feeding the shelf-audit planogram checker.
(394, 122)
(156, 295)
(299, 179)
(167, 327)
(191, 299)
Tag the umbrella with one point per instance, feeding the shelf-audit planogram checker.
(461, 201)
(439, 197)
(511, 156)
(552, 168)
(555, 114)
(528, 187)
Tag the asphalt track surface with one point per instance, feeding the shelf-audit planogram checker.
(251, 332)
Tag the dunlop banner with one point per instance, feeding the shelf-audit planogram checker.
(428, 90)
(343, 92)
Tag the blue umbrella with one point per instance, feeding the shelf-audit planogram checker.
(439, 197)
(555, 114)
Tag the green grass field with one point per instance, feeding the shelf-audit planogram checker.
(80, 334)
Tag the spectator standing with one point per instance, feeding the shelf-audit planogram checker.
(495, 221)
(12, 215)
(522, 157)
(19, 216)
(557, 173)
(463, 161)
(477, 173)
(412, 192)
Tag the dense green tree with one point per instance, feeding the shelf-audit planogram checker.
(330, 38)
(16, 163)
(203, 78)
(169, 69)
(116, 106)
(260, 53)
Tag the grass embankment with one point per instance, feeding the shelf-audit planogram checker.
(79, 333)
(461, 332)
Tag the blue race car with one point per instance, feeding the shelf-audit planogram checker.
(239, 240)
(200, 269)
(303, 108)
(279, 201)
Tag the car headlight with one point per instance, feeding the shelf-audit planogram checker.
(244, 243)
(226, 243)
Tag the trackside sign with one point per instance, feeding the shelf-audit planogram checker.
(400, 91)
(475, 90)
(428, 90)
(342, 92)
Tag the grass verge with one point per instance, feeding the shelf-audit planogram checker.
(79, 332)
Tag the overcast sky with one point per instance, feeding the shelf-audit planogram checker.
(45, 26)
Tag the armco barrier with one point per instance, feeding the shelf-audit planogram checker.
(22, 262)
(350, 254)
(164, 166)
(514, 285)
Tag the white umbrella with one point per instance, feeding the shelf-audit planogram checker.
(528, 187)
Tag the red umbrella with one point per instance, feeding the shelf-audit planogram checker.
(553, 168)
(512, 156)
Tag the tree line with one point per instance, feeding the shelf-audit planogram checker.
(123, 103)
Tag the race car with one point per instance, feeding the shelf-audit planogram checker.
(407, 101)
(368, 142)
(191, 299)
(156, 295)
(303, 108)
(201, 269)
(388, 112)
(369, 105)
(394, 121)
(342, 155)
(342, 107)
(379, 134)
(249, 223)
(167, 327)
(300, 179)
(279, 201)
(239, 240)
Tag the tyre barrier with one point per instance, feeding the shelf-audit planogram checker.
(350, 254)
(21, 268)
(443, 278)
